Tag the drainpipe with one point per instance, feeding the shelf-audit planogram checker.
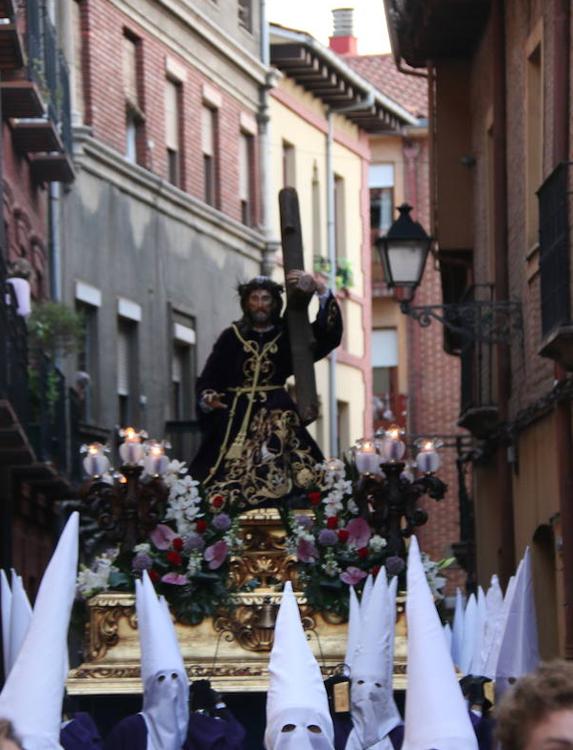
(54, 242)
(367, 103)
(507, 554)
(563, 436)
(272, 244)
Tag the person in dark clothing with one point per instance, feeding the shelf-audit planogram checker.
(255, 448)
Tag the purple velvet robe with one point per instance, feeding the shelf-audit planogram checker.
(204, 733)
(80, 733)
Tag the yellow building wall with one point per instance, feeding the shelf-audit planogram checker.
(309, 144)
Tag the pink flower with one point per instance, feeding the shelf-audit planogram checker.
(352, 576)
(216, 554)
(162, 536)
(175, 578)
(306, 551)
(358, 532)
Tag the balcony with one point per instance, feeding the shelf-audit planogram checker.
(478, 408)
(36, 101)
(554, 266)
(389, 409)
(11, 50)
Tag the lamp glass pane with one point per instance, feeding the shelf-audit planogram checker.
(406, 261)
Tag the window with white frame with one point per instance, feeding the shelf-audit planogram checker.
(381, 186)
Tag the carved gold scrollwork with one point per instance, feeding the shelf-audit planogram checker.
(104, 626)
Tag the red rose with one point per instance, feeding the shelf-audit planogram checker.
(343, 535)
(217, 501)
(314, 497)
(362, 552)
(375, 569)
(201, 526)
(174, 558)
(177, 544)
(332, 522)
(154, 575)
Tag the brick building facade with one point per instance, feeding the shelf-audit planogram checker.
(500, 123)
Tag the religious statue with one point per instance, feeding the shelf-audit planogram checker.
(255, 449)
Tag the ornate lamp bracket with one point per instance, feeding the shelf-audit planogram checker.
(489, 321)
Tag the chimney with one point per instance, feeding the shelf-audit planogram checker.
(343, 40)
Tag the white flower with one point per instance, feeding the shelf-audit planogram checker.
(142, 548)
(352, 507)
(377, 543)
(96, 578)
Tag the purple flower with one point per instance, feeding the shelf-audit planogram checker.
(358, 532)
(327, 537)
(194, 542)
(222, 522)
(304, 521)
(162, 536)
(175, 578)
(352, 576)
(394, 565)
(216, 554)
(141, 561)
(306, 551)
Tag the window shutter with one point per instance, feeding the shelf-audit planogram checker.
(122, 363)
(171, 115)
(130, 70)
(208, 131)
(244, 167)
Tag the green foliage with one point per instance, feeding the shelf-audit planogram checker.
(54, 327)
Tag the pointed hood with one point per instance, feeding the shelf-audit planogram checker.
(375, 645)
(5, 610)
(436, 712)
(165, 685)
(20, 617)
(295, 680)
(353, 627)
(519, 652)
(448, 636)
(366, 592)
(477, 666)
(494, 613)
(499, 627)
(470, 625)
(458, 629)
(33, 693)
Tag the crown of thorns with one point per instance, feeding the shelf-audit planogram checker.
(260, 282)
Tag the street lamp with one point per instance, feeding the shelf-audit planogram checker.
(403, 251)
(126, 504)
(386, 492)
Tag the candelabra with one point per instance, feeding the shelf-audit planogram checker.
(126, 504)
(386, 490)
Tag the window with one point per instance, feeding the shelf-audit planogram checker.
(209, 146)
(381, 185)
(343, 426)
(134, 117)
(288, 165)
(534, 136)
(126, 371)
(385, 363)
(246, 14)
(85, 385)
(339, 217)
(181, 401)
(173, 132)
(246, 147)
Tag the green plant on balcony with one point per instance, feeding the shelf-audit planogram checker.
(320, 264)
(344, 275)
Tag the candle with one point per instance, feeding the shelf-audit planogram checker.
(427, 459)
(155, 461)
(391, 447)
(131, 450)
(95, 463)
(366, 458)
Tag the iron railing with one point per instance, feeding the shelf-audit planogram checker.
(48, 69)
(554, 266)
(13, 354)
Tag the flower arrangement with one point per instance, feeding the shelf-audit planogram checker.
(334, 546)
(186, 556)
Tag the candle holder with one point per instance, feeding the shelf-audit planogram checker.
(128, 503)
(386, 492)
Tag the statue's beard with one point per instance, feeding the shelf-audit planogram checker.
(259, 318)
